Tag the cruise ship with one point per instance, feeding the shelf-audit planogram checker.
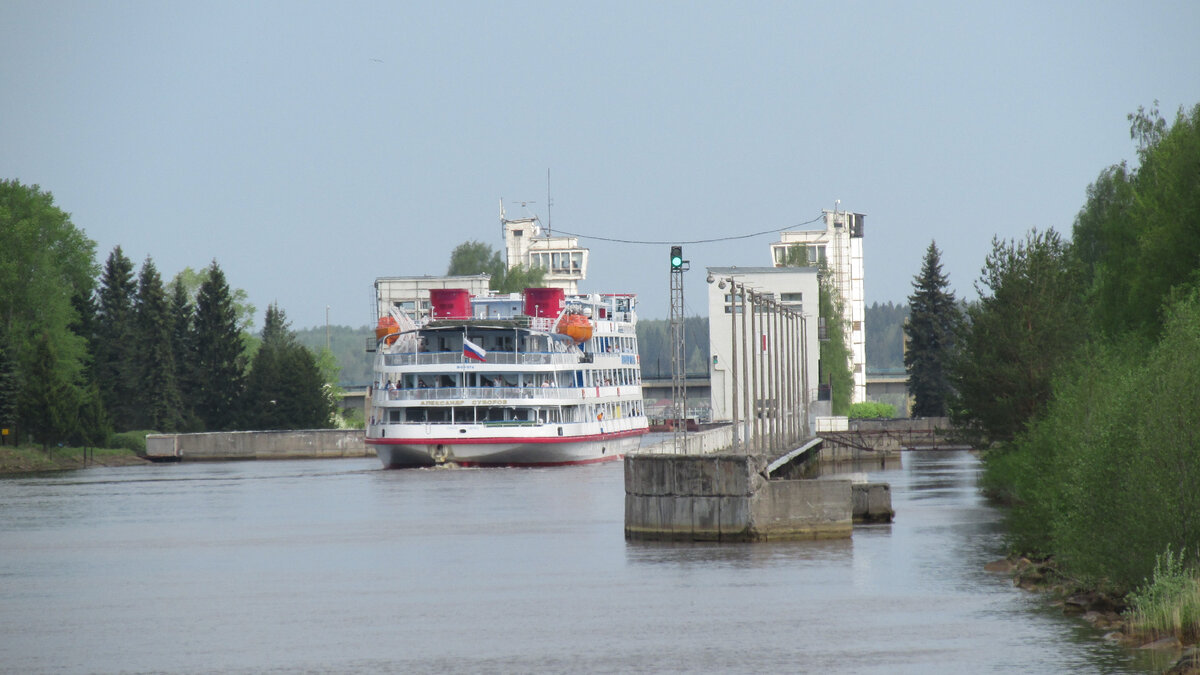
(522, 379)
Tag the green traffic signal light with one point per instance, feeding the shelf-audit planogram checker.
(676, 257)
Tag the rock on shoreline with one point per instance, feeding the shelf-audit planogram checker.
(1102, 611)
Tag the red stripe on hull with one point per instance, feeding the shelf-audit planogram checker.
(425, 440)
(595, 460)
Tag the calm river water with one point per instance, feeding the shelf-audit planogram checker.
(339, 566)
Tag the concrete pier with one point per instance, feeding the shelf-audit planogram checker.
(232, 445)
(728, 497)
(702, 495)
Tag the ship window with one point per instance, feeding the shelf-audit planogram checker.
(394, 415)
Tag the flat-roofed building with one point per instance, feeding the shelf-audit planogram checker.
(564, 260)
(839, 247)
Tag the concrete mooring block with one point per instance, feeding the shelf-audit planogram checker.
(873, 503)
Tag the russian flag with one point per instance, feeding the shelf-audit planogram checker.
(473, 351)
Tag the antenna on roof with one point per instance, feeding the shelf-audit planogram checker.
(549, 202)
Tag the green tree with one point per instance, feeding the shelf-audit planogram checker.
(183, 348)
(1028, 320)
(220, 366)
(49, 401)
(92, 427)
(834, 365)
(45, 261)
(285, 389)
(157, 391)
(476, 257)
(116, 358)
(932, 322)
(834, 377)
(352, 361)
(1138, 235)
(191, 281)
(9, 394)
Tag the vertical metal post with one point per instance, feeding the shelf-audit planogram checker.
(778, 402)
(745, 373)
(806, 430)
(733, 366)
(678, 358)
(756, 421)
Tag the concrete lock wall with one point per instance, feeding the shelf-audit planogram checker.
(724, 497)
(230, 445)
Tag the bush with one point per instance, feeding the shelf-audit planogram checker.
(871, 410)
(130, 440)
(1106, 479)
(1169, 603)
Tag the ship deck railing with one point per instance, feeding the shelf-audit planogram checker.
(505, 393)
(493, 358)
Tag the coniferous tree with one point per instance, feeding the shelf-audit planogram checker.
(932, 322)
(263, 403)
(285, 388)
(9, 394)
(157, 392)
(115, 358)
(92, 427)
(219, 362)
(183, 344)
(48, 402)
(1028, 321)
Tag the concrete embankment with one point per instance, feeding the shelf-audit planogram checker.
(726, 496)
(233, 445)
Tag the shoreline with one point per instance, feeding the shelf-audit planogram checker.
(1102, 611)
(25, 459)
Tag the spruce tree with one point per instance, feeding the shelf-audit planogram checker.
(157, 393)
(285, 389)
(263, 404)
(183, 345)
(48, 402)
(932, 321)
(308, 398)
(115, 358)
(9, 394)
(219, 362)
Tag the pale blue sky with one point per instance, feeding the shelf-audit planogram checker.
(312, 147)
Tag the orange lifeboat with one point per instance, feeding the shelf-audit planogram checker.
(387, 330)
(575, 326)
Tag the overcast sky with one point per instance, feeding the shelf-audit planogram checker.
(312, 147)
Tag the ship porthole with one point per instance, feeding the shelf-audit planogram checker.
(603, 450)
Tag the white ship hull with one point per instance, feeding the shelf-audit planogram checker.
(402, 453)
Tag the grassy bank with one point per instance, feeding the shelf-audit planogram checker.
(31, 458)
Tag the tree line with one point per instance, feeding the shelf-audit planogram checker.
(1078, 368)
(85, 352)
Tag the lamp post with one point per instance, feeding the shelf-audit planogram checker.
(326, 327)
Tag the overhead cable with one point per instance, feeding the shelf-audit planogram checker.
(689, 241)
